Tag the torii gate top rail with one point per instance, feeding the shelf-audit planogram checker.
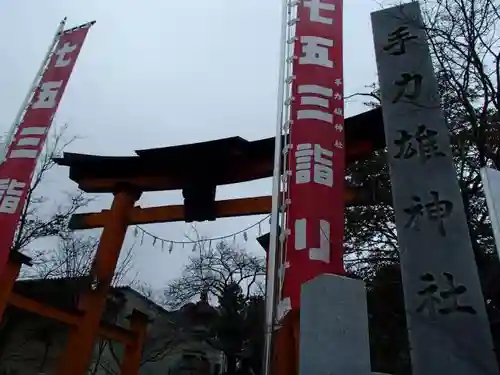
(199, 168)
(219, 162)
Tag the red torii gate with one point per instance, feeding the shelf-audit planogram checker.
(191, 169)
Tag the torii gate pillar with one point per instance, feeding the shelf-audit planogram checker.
(78, 352)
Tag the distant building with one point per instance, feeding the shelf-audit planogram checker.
(31, 344)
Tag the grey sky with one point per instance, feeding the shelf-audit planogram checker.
(157, 73)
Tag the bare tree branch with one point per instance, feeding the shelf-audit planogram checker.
(40, 217)
(212, 269)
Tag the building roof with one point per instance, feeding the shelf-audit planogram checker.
(63, 292)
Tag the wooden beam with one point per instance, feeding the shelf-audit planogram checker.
(43, 309)
(226, 208)
(165, 214)
(106, 331)
(117, 333)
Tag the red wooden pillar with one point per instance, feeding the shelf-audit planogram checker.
(133, 353)
(285, 349)
(9, 276)
(286, 346)
(78, 353)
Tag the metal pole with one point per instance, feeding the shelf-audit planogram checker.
(271, 266)
(27, 100)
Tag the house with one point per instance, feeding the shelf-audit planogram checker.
(31, 344)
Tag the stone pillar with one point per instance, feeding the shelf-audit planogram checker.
(491, 185)
(448, 326)
(334, 327)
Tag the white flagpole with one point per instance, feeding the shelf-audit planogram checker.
(273, 243)
(4, 148)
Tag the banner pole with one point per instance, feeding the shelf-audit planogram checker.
(20, 114)
(273, 244)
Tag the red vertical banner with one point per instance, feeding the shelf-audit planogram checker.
(315, 215)
(17, 170)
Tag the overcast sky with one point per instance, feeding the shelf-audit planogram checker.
(160, 73)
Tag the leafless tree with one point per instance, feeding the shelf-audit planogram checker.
(42, 217)
(232, 277)
(213, 269)
(72, 253)
(73, 256)
(163, 338)
(464, 40)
